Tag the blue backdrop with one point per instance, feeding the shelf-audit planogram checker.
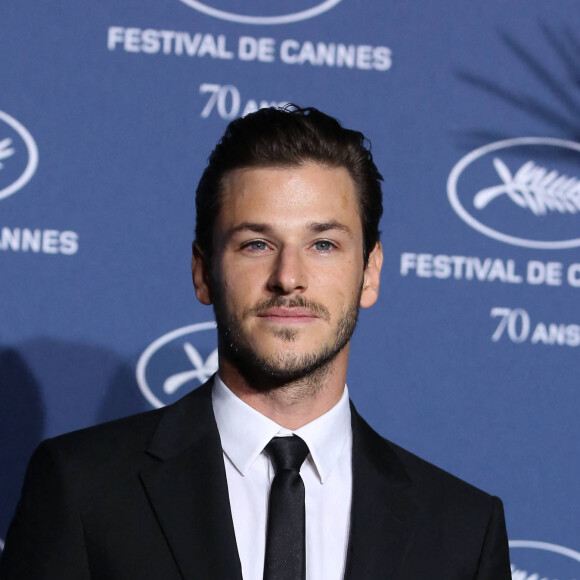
(108, 111)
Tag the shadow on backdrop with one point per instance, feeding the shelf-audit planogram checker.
(560, 110)
(83, 385)
(22, 418)
(123, 396)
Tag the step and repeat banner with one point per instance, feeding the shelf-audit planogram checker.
(108, 112)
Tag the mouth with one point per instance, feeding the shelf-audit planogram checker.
(288, 315)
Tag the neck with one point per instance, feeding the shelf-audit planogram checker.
(295, 403)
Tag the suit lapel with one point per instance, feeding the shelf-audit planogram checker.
(187, 489)
(384, 513)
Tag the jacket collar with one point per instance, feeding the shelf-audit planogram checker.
(384, 513)
(188, 491)
(187, 488)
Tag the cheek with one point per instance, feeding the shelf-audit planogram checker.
(241, 286)
(345, 280)
(242, 281)
(229, 275)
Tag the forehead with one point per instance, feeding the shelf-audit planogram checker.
(310, 190)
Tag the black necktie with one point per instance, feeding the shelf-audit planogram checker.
(285, 538)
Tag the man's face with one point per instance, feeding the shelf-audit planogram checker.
(287, 275)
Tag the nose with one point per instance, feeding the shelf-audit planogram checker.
(288, 275)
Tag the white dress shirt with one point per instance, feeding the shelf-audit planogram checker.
(327, 476)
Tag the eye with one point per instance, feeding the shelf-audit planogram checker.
(256, 245)
(323, 246)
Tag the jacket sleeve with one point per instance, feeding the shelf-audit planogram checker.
(494, 562)
(45, 540)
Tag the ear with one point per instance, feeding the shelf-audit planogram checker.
(372, 277)
(200, 275)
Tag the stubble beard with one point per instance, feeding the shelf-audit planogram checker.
(300, 374)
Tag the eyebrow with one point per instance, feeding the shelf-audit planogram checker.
(315, 227)
(321, 227)
(257, 228)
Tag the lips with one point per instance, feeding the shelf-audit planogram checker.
(281, 309)
(288, 315)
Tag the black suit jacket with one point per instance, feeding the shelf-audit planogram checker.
(146, 498)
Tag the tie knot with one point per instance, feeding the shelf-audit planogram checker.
(287, 452)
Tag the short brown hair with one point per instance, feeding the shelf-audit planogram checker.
(289, 137)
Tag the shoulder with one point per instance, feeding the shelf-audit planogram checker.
(127, 442)
(444, 493)
(458, 530)
(132, 431)
(434, 486)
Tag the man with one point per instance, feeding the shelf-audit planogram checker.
(287, 249)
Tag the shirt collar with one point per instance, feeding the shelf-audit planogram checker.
(244, 432)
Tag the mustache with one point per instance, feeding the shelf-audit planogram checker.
(295, 302)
